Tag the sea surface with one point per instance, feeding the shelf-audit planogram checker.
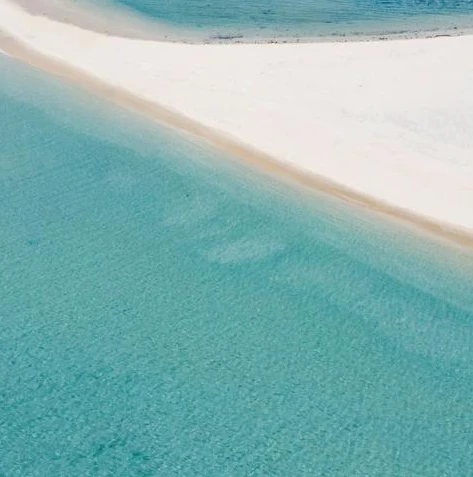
(266, 19)
(167, 311)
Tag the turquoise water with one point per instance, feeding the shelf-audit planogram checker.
(301, 18)
(166, 312)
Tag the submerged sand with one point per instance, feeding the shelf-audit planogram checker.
(385, 124)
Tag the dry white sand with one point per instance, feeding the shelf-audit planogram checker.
(391, 121)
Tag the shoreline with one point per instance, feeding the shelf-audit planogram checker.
(192, 92)
(254, 158)
(133, 26)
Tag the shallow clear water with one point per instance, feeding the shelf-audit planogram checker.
(165, 311)
(301, 18)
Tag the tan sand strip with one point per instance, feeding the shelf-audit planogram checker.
(257, 159)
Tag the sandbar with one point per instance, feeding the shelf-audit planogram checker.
(385, 124)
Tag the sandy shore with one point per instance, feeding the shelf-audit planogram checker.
(125, 23)
(386, 124)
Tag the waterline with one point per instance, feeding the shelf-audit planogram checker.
(166, 311)
(251, 156)
(258, 22)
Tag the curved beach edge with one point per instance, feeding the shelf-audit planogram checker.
(257, 159)
(125, 23)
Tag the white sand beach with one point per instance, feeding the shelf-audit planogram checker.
(386, 123)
